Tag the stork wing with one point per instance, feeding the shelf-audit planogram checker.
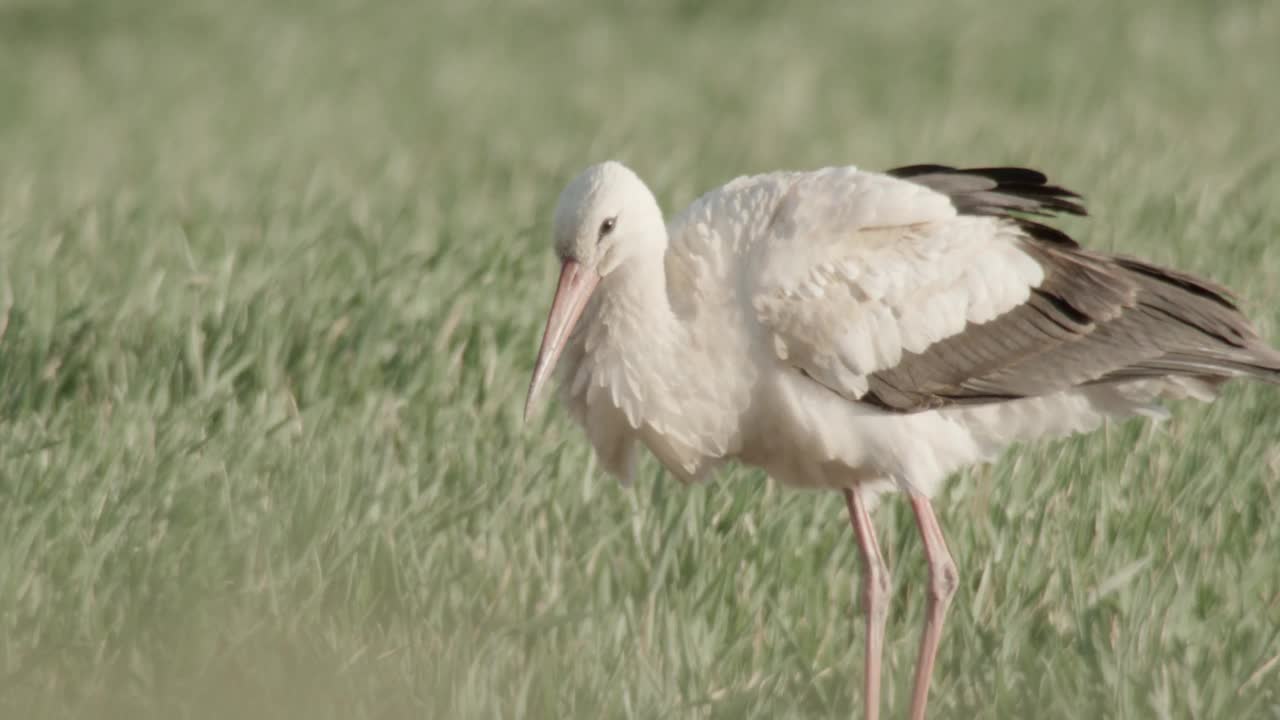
(923, 292)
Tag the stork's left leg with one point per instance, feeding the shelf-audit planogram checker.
(942, 585)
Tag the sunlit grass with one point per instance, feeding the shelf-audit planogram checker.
(270, 283)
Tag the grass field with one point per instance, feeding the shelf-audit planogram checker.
(271, 276)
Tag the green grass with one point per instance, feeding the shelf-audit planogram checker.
(270, 282)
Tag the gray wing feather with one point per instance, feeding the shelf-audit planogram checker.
(1095, 319)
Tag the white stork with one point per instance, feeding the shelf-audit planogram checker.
(865, 332)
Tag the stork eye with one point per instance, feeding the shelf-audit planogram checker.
(607, 226)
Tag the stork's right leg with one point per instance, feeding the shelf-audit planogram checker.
(942, 585)
(875, 597)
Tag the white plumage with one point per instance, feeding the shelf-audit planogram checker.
(773, 320)
(835, 272)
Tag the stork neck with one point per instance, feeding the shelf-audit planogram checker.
(640, 289)
(649, 361)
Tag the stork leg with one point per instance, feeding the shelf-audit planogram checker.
(875, 598)
(943, 580)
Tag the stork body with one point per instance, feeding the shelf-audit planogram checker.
(864, 332)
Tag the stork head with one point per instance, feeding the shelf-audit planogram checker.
(605, 216)
(606, 223)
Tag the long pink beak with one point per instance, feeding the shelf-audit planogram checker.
(575, 288)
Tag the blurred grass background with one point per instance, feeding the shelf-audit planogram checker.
(270, 281)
